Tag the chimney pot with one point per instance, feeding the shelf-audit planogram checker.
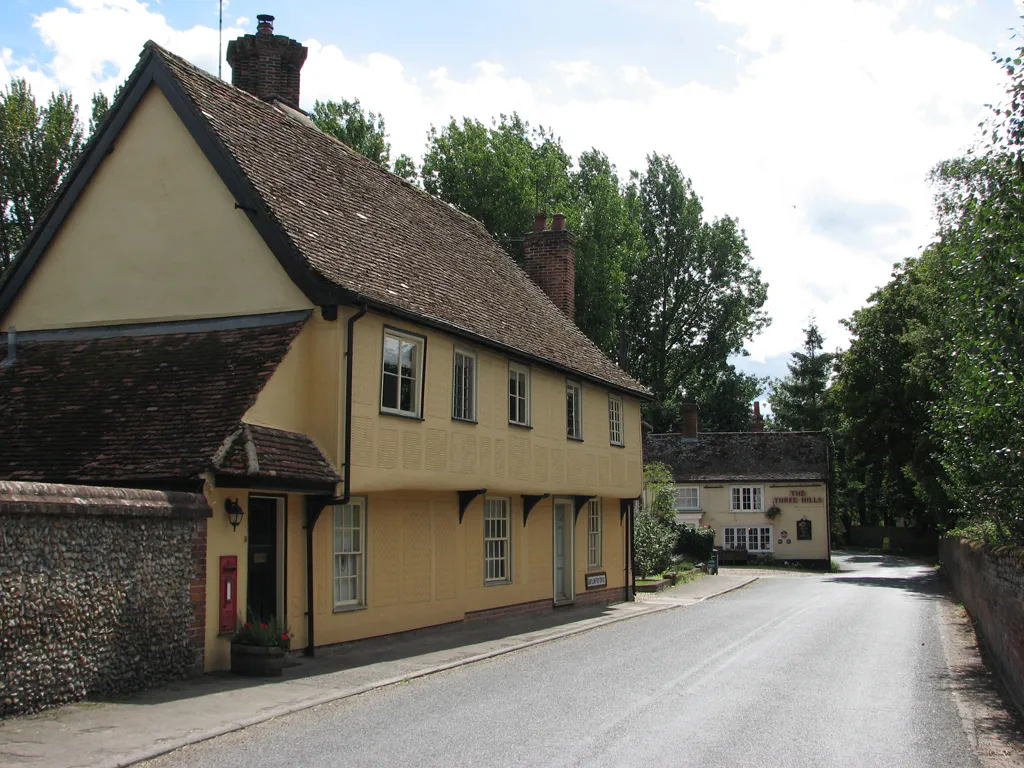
(265, 25)
(558, 222)
(540, 222)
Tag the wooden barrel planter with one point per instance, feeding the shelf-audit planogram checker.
(257, 661)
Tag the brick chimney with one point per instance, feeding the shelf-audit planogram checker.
(549, 258)
(689, 411)
(267, 65)
(757, 421)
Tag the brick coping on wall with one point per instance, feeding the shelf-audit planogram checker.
(21, 498)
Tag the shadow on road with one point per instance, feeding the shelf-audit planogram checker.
(926, 584)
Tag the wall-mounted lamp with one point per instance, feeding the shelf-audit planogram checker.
(235, 512)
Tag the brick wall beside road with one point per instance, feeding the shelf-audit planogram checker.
(96, 591)
(990, 583)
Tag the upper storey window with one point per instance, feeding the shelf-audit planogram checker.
(401, 381)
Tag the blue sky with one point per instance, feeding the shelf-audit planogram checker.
(815, 122)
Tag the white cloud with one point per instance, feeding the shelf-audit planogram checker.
(821, 145)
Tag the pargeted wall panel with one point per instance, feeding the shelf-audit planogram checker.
(485, 455)
(499, 458)
(602, 471)
(387, 448)
(618, 471)
(412, 450)
(540, 464)
(416, 554)
(575, 469)
(473, 533)
(437, 450)
(366, 389)
(519, 458)
(445, 520)
(463, 453)
(362, 441)
(557, 465)
(385, 528)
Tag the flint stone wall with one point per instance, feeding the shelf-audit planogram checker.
(96, 591)
(990, 582)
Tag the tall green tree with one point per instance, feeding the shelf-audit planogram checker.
(363, 131)
(726, 399)
(38, 147)
(500, 174)
(798, 400)
(981, 235)
(693, 296)
(607, 239)
(885, 384)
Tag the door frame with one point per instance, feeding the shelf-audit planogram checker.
(570, 533)
(281, 553)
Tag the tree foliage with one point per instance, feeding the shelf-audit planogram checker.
(693, 296)
(363, 131)
(798, 401)
(38, 146)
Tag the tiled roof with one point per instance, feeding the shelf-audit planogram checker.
(741, 456)
(264, 452)
(370, 234)
(131, 408)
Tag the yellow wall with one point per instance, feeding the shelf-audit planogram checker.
(715, 503)
(423, 567)
(437, 452)
(154, 236)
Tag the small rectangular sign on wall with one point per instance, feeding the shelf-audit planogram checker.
(597, 580)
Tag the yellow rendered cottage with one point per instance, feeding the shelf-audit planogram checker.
(394, 425)
(763, 493)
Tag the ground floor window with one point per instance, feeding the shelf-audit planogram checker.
(594, 534)
(497, 541)
(756, 539)
(350, 554)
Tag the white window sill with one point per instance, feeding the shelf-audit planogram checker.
(349, 608)
(497, 583)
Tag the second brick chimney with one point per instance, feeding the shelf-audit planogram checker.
(267, 65)
(689, 411)
(757, 420)
(549, 258)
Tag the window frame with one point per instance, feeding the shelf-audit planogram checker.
(736, 498)
(506, 558)
(616, 400)
(696, 506)
(595, 536)
(760, 535)
(469, 354)
(576, 387)
(524, 370)
(421, 342)
(360, 601)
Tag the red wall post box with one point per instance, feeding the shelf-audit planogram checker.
(228, 593)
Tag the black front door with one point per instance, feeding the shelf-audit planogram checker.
(262, 589)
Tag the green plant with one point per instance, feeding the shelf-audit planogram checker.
(264, 634)
(652, 540)
(694, 543)
(772, 512)
(766, 559)
(886, 545)
(833, 566)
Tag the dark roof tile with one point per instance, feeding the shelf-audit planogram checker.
(368, 232)
(741, 456)
(131, 409)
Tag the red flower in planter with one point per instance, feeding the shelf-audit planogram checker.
(263, 626)
(284, 636)
(246, 625)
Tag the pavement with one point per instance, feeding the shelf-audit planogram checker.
(143, 726)
(860, 668)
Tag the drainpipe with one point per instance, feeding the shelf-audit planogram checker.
(12, 347)
(315, 505)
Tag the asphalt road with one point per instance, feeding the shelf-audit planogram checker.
(824, 670)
